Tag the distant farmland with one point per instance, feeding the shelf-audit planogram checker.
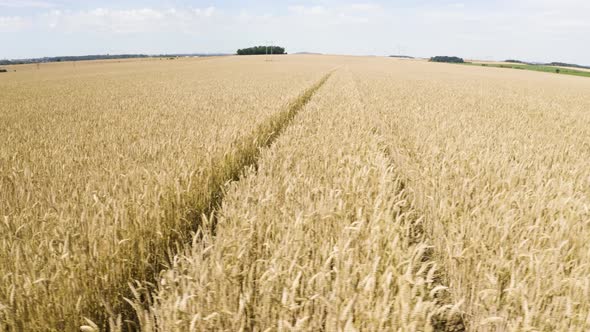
(542, 68)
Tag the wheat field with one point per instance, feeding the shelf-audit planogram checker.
(106, 167)
(306, 193)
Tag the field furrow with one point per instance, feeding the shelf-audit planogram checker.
(498, 166)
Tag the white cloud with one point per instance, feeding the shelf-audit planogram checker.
(307, 10)
(336, 15)
(207, 12)
(363, 6)
(561, 4)
(524, 17)
(25, 4)
(13, 23)
(124, 20)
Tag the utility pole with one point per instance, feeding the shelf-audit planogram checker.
(271, 47)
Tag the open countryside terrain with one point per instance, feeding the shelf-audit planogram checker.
(584, 72)
(304, 193)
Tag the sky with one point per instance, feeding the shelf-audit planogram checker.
(532, 30)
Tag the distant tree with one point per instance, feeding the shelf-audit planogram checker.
(3, 70)
(516, 61)
(257, 50)
(449, 59)
(401, 56)
(557, 70)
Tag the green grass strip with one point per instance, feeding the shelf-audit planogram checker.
(541, 68)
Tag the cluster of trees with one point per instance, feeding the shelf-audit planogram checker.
(261, 50)
(3, 70)
(449, 59)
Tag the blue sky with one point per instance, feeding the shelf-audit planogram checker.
(536, 30)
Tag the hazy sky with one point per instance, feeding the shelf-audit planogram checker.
(536, 30)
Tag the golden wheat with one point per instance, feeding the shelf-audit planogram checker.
(498, 164)
(104, 167)
(315, 238)
(393, 195)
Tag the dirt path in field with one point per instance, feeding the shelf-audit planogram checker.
(452, 320)
(250, 147)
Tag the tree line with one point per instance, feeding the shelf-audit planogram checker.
(4, 62)
(256, 50)
(450, 59)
